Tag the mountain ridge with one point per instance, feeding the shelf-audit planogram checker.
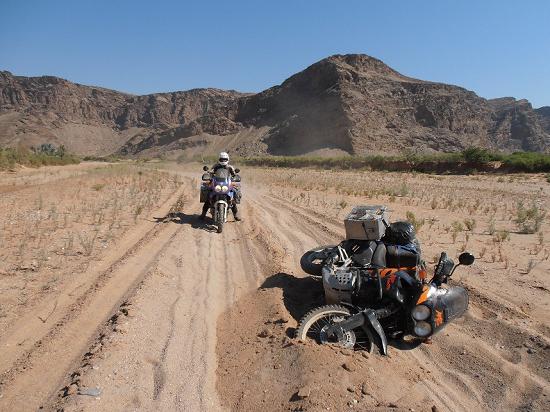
(352, 104)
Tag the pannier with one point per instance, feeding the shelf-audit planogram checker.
(366, 223)
(398, 256)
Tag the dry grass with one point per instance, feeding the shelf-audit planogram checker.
(52, 226)
(476, 213)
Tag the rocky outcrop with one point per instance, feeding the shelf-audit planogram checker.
(516, 126)
(349, 103)
(543, 114)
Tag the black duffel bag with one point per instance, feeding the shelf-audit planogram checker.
(399, 233)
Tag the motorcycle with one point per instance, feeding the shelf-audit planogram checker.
(220, 190)
(366, 305)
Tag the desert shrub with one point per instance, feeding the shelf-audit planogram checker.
(413, 220)
(501, 236)
(492, 227)
(470, 224)
(98, 186)
(456, 227)
(529, 220)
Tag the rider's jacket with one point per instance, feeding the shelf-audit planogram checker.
(230, 168)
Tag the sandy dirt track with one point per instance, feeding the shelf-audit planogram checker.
(146, 310)
(171, 318)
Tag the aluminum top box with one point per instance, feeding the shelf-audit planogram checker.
(366, 223)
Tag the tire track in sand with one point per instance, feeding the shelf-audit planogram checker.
(213, 271)
(36, 375)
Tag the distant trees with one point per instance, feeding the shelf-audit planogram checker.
(49, 150)
(45, 154)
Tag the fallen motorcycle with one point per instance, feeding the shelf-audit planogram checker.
(376, 286)
(368, 305)
(220, 190)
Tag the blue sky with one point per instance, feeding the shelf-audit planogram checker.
(496, 48)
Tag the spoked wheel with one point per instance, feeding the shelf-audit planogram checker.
(313, 260)
(316, 322)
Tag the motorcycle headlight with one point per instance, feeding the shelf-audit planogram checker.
(224, 188)
(422, 329)
(218, 188)
(421, 312)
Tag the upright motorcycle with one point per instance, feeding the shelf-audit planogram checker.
(368, 305)
(220, 189)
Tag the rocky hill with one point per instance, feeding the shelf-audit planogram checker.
(543, 114)
(342, 104)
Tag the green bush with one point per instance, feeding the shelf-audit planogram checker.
(465, 162)
(479, 155)
(110, 158)
(527, 162)
(42, 156)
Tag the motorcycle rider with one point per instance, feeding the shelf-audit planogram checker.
(223, 163)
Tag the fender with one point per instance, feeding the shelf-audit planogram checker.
(366, 319)
(221, 201)
(370, 315)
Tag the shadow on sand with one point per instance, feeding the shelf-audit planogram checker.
(192, 220)
(300, 295)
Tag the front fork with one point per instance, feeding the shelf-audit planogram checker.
(367, 319)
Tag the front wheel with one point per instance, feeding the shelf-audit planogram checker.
(219, 217)
(315, 323)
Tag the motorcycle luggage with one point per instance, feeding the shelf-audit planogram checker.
(366, 252)
(400, 233)
(204, 194)
(366, 223)
(399, 256)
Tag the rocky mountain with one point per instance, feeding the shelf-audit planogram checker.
(543, 114)
(342, 104)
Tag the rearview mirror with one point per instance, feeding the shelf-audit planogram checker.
(237, 170)
(466, 259)
(205, 168)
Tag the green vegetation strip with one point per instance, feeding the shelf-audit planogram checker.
(469, 161)
(44, 155)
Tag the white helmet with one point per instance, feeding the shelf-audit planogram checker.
(223, 159)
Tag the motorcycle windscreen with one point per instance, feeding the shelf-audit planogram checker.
(450, 305)
(221, 181)
(222, 173)
(454, 302)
